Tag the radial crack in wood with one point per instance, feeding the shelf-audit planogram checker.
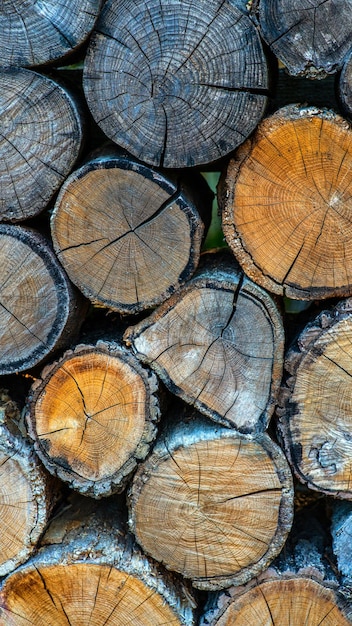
(163, 82)
(285, 201)
(211, 504)
(218, 344)
(92, 416)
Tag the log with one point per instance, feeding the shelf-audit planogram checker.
(40, 311)
(285, 202)
(41, 136)
(90, 571)
(36, 33)
(27, 492)
(177, 84)
(314, 404)
(211, 503)
(306, 36)
(128, 235)
(344, 87)
(92, 416)
(341, 530)
(218, 344)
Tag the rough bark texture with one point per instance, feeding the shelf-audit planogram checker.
(212, 504)
(286, 204)
(129, 235)
(315, 404)
(344, 87)
(89, 571)
(341, 530)
(310, 37)
(39, 309)
(92, 416)
(35, 33)
(41, 134)
(218, 344)
(163, 82)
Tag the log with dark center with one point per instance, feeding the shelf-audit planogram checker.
(177, 83)
(92, 416)
(286, 202)
(35, 33)
(311, 37)
(40, 140)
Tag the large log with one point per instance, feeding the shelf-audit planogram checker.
(90, 571)
(40, 311)
(178, 83)
(92, 416)
(35, 33)
(315, 403)
(210, 503)
(41, 136)
(218, 344)
(286, 204)
(129, 235)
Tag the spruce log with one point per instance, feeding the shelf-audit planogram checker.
(92, 416)
(210, 503)
(39, 309)
(286, 204)
(315, 403)
(218, 344)
(179, 83)
(310, 37)
(35, 33)
(128, 235)
(90, 571)
(41, 134)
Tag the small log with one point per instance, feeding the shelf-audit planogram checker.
(41, 135)
(39, 309)
(36, 33)
(27, 492)
(90, 571)
(176, 84)
(315, 403)
(286, 204)
(306, 36)
(92, 416)
(210, 503)
(344, 87)
(341, 530)
(218, 344)
(128, 235)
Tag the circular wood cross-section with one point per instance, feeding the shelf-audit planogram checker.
(40, 141)
(286, 200)
(212, 505)
(164, 81)
(35, 33)
(38, 309)
(92, 416)
(81, 594)
(127, 236)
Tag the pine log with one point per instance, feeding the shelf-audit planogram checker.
(90, 571)
(27, 492)
(41, 135)
(311, 37)
(344, 87)
(128, 235)
(92, 416)
(211, 503)
(177, 84)
(218, 344)
(39, 310)
(36, 33)
(315, 403)
(286, 204)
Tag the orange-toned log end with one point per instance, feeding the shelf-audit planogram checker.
(283, 601)
(286, 202)
(212, 505)
(92, 416)
(81, 594)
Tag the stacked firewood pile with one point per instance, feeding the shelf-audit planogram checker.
(176, 364)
